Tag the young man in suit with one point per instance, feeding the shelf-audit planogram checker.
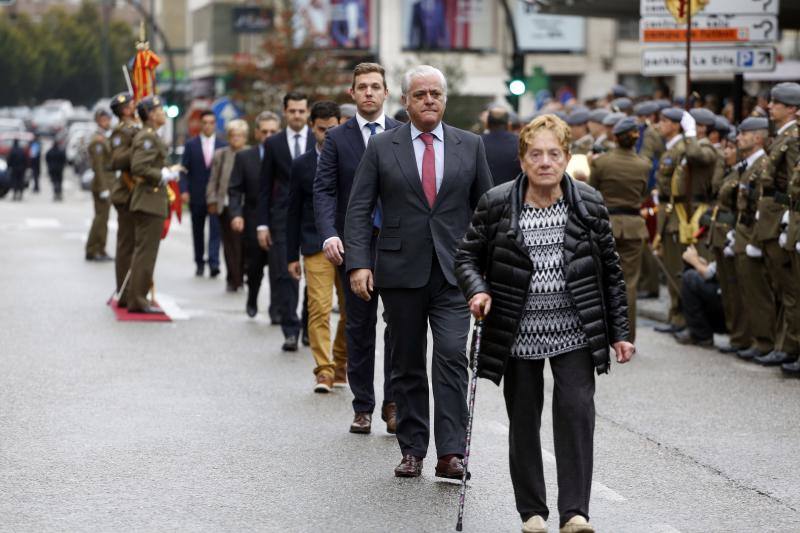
(428, 177)
(292, 142)
(243, 190)
(341, 154)
(501, 145)
(198, 154)
(321, 276)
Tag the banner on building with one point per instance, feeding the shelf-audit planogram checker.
(333, 24)
(448, 24)
(548, 33)
(252, 19)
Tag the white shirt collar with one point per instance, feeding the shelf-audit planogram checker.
(208, 139)
(291, 133)
(381, 120)
(786, 126)
(755, 156)
(672, 142)
(438, 131)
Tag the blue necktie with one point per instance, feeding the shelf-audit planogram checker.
(377, 216)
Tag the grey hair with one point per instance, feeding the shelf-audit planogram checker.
(419, 71)
(237, 125)
(267, 115)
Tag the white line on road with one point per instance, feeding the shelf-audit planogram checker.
(40, 223)
(168, 304)
(601, 491)
(75, 236)
(662, 528)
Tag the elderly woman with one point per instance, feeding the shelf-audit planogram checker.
(539, 263)
(217, 200)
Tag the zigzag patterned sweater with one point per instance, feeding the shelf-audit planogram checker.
(550, 324)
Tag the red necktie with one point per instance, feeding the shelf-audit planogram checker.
(428, 168)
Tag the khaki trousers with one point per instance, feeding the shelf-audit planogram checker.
(759, 308)
(321, 279)
(630, 256)
(648, 279)
(125, 244)
(778, 263)
(672, 255)
(98, 233)
(147, 237)
(732, 301)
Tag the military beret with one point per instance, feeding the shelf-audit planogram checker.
(618, 91)
(120, 100)
(663, 103)
(648, 107)
(598, 115)
(722, 125)
(674, 114)
(348, 110)
(578, 117)
(612, 118)
(703, 116)
(560, 114)
(148, 103)
(101, 112)
(731, 135)
(621, 104)
(753, 124)
(625, 125)
(787, 93)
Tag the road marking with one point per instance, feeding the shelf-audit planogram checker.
(75, 236)
(168, 304)
(41, 223)
(601, 491)
(662, 528)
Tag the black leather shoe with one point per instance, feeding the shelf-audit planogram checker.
(686, 338)
(147, 311)
(750, 353)
(791, 369)
(290, 344)
(199, 271)
(305, 339)
(252, 307)
(103, 258)
(669, 328)
(730, 348)
(775, 358)
(214, 272)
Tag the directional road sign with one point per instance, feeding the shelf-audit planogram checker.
(658, 8)
(717, 29)
(733, 59)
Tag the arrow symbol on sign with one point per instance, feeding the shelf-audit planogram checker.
(765, 56)
(766, 4)
(768, 24)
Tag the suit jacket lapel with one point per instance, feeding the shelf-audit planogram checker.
(310, 140)
(354, 137)
(404, 153)
(452, 161)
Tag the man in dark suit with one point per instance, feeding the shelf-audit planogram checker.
(341, 154)
(280, 149)
(198, 155)
(501, 146)
(428, 177)
(321, 276)
(243, 190)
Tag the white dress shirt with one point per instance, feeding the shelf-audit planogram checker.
(672, 142)
(290, 133)
(365, 131)
(208, 148)
(438, 150)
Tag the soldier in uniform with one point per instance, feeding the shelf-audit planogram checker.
(598, 131)
(622, 105)
(684, 187)
(621, 177)
(783, 154)
(583, 142)
(149, 201)
(609, 122)
(751, 271)
(721, 225)
(100, 161)
(123, 106)
(793, 246)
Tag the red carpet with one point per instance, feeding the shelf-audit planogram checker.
(124, 316)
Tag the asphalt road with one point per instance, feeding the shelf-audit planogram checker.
(203, 424)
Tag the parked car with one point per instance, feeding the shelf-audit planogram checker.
(51, 117)
(7, 141)
(76, 140)
(12, 124)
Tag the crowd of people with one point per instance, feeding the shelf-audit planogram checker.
(549, 229)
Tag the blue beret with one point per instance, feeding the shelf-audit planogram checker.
(703, 116)
(663, 103)
(624, 125)
(613, 118)
(643, 109)
(621, 104)
(722, 125)
(672, 113)
(598, 115)
(787, 93)
(753, 124)
(618, 91)
(580, 116)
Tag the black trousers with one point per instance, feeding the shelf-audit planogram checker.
(255, 260)
(284, 288)
(701, 301)
(408, 313)
(199, 215)
(57, 178)
(573, 432)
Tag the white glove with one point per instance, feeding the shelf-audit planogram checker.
(105, 194)
(782, 238)
(797, 247)
(731, 235)
(785, 219)
(167, 175)
(758, 214)
(753, 251)
(689, 125)
(728, 251)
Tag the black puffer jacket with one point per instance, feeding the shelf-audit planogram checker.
(493, 258)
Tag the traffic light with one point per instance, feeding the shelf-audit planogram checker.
(517, 85)
(172, 111)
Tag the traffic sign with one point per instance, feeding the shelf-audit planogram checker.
(733, 59)
(658, 8)
(711, 29)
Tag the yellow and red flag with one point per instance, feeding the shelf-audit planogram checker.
(143, 71)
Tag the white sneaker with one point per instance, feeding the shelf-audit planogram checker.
(577, 524)
(534, 524)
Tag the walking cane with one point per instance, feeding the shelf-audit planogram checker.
(477, 332)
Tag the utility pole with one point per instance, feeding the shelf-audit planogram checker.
(105, 9)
